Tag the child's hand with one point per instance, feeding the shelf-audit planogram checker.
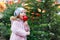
(28, 33)
(26, 26)
(25, 23)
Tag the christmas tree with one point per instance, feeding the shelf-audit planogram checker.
(43, 19)
(44, 22)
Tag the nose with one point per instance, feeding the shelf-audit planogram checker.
(24, 14)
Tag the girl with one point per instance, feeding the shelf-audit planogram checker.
(19, 27)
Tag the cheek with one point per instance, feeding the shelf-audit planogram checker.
(21, 14)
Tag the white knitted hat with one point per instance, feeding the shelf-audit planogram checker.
(18, 11)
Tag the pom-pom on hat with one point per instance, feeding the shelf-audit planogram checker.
(18, 11)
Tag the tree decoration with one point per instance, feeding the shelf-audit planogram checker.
(39, 10)
(24, 4)
(33, 13)
(25, 18)
(18, 1)
(10, 2)
(28, 11)
(32, 18)
(59, 6)
(57, 1)
(58, 13)
(2, 6)
(38, 0)
(1, 15)
(37, 14)
(15, 1)
(43, 11)
(27, 7)
(53, 4)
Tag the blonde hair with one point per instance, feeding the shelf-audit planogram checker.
(13, 18)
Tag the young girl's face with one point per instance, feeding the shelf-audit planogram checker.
(22, 13)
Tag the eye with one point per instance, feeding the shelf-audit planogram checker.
(21, 12)
(24, 12)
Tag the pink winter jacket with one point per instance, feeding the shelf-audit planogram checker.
(18, 30)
